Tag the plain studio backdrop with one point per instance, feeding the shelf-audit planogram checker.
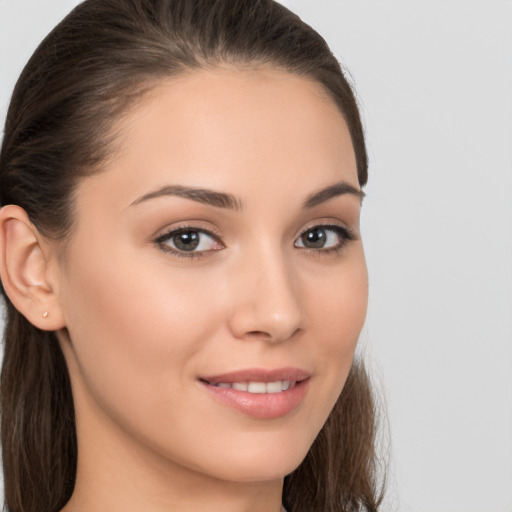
(434, 80)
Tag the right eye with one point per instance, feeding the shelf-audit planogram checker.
(188, 242)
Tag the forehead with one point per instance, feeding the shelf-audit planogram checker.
(234, 130)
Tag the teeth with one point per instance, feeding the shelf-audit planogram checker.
(259, 387)
(274, 387)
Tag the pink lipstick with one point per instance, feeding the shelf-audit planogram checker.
(260, 393)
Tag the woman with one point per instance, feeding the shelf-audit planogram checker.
(182, 265)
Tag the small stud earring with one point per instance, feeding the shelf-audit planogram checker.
(45, 314)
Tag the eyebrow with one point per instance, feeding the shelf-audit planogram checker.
(200, 195)
(229, 201)
(338, 189)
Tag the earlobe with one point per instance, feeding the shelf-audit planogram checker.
(24, 270)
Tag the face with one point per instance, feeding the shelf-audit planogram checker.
(215, 284)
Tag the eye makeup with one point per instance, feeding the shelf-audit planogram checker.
(189, 241)
(325, 238)
(192, 242)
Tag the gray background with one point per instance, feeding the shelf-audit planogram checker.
(435, 81)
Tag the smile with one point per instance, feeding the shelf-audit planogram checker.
(262, 394)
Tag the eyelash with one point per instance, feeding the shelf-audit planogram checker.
(345, 234)
(190, 255)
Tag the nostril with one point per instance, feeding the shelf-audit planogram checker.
(259, 335)
(275, 336)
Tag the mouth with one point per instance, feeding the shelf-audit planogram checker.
(259, 393)
(257, 387)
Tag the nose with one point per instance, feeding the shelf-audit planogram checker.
(265, 299)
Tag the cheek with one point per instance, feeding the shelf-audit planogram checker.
(337, 302)
(337, 310)
(135, 334)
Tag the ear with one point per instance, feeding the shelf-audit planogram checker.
(25, 261)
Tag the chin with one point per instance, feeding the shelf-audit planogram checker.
(259, 462)
(255, 473)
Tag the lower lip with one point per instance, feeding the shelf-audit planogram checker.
(260, 405)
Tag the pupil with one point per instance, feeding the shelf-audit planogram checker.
(314, 238)
(186, 240)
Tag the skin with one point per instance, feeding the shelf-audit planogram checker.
(140, 324)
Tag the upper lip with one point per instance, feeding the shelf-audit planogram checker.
(259, 375)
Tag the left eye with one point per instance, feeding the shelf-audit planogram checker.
(189, 240)
(323, 237)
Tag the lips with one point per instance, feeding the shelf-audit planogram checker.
(260, 393)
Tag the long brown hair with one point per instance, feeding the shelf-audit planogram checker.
(83, 77)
